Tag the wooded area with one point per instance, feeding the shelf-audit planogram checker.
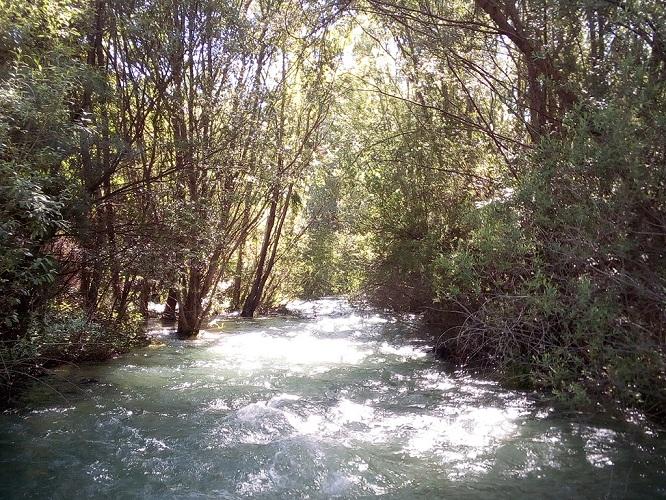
(497, 165)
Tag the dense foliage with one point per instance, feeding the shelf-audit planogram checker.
(513, 162)
(498, 165)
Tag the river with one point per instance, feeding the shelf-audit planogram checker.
(338, 403)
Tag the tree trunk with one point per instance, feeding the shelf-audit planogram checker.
(169, 313)
(144, 297)
(91, 272)
(542, 73)
(267, 262)
(190, 314)
(238, 275)
(253, 298)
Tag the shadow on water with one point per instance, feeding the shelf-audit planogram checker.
(337, 402)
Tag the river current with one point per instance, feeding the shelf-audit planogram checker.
(339, 403)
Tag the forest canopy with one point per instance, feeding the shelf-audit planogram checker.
(496, 165)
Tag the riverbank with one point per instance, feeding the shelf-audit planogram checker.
(74, 340)
(348, 403)
(66, 338)
(563, 372)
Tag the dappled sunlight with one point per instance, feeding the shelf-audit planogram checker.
(332, 325)
(474, 431)
(327, 306)
(324, 406)
(406, 351)
(600, 446)
(252, 350)
(332, 249)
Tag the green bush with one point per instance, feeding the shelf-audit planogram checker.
(65, 335)
(563, 282)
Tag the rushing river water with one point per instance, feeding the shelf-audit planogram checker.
(340, 404)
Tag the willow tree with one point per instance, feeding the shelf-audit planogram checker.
(200, 90)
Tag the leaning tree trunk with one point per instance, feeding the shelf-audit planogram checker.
(254, 296)
(547, 94)
(266, 260)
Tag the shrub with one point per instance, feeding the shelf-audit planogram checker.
(564, 283)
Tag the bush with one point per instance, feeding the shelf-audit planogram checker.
(65, 335)
(563, 283)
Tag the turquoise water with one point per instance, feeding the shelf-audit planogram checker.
(343, 403)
